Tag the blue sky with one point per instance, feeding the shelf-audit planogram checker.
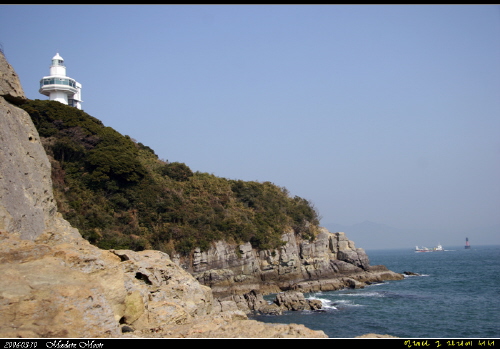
(383, 113)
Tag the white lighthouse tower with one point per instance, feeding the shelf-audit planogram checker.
(59, 87)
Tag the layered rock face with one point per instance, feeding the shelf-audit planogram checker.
(330, 262)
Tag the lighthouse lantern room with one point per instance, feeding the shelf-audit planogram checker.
(58, 87)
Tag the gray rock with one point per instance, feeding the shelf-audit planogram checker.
(255, 300)
(307, 266)
(10, 86)
(27, 206)
(270, 309)
(292, 300)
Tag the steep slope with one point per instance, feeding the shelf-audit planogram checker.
(27, 204)
(120, 195)
(232, 235)
(56, 284)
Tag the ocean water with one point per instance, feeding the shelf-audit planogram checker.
(457, 295)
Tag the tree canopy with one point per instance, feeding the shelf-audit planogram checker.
(120, 195)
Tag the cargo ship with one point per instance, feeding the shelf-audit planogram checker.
(425, 249)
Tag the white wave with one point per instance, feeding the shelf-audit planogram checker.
(411, 276)
(329, 306)
(345, 303)
(327, 303)
(319, 298)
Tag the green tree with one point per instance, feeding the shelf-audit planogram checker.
(120, 195)
(178, 171)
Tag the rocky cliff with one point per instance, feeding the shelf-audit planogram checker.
(27, 206)
(330, 262)
(56, 284)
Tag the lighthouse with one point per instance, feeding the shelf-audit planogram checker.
(467, 245)
(58, 87)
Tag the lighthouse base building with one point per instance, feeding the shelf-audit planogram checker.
(59, 87)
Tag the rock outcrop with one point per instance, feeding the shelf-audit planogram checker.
(10, 86)
(330, 262)
(56, 284)
(75, 290)
(295, 301)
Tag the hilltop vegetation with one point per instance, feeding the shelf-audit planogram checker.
(120, 195)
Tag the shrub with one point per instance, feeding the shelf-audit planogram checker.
(177, 171)
(120, 195)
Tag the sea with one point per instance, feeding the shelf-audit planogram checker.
(456, 295)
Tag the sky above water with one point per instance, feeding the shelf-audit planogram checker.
(381, 113)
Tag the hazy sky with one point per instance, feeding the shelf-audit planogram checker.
(383, 113)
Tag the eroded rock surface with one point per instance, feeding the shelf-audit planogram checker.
(27, 206)
(331, 262)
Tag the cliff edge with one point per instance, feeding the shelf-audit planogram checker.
(330, 262)
(56, 284)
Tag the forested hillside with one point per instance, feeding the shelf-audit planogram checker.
(120, 195)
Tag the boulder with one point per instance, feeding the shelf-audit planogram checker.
(292, 300)
(255, 300)
(409, 273)
(40, 296)
(270, 309)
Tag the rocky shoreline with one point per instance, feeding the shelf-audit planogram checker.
(56, 284)
(238, 274)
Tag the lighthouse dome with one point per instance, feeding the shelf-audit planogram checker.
(58, 61)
